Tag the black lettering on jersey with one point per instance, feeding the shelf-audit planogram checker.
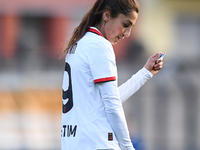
(64, 130)
(68, 94)
(68, 130)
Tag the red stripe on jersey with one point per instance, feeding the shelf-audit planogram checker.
(95, 31)
(105, 79)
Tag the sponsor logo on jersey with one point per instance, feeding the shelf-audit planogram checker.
(68, 131)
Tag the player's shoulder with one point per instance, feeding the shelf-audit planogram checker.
(93, 45)
(94, 40)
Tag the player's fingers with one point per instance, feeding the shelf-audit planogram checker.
(158, 66)
(156, 56)
(158, 61)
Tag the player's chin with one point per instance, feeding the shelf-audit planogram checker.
(114, 42)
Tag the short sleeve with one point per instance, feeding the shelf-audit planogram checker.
(102, 62)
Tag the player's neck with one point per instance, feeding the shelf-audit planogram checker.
(100, 27)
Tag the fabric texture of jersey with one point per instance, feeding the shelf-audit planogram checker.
(84, 121)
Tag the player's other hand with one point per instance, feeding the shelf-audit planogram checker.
(152, 65)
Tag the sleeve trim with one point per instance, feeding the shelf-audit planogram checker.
(105, 79)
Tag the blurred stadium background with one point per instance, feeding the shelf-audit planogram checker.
(163, 115)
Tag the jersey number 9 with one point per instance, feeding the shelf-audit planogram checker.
(67, 96)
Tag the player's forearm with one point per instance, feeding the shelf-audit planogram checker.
(115, 113)
(132, 85)
(118, 124)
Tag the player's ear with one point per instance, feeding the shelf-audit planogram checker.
(106, 15)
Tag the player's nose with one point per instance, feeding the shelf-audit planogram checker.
(127, 32)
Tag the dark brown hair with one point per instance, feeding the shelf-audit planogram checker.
(94, 16)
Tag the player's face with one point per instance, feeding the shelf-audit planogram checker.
(116, 29)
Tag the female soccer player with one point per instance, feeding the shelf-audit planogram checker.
(92, 113)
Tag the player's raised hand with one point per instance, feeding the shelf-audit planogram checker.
(153, 65)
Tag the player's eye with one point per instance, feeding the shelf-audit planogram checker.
(125, 25)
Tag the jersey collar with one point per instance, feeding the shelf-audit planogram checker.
(94, 30)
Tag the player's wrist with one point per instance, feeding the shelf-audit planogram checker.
(147, 72)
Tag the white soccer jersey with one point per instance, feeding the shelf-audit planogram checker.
(92, 115)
